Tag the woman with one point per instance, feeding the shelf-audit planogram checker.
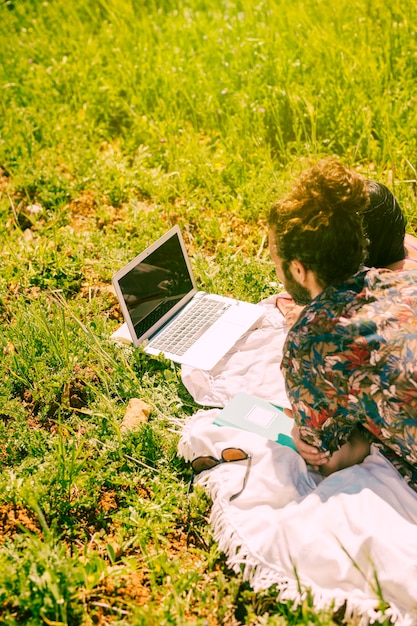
(384, 225)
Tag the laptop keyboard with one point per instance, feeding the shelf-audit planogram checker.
(153, 317)
(183, 332)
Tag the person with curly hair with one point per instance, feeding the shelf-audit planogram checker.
(349, 361)
(387, 243)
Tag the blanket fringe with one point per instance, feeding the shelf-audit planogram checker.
(261, 576)
(184, 445)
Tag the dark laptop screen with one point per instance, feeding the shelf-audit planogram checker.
(155, 285)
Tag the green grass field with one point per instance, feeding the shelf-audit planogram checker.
(119, 119)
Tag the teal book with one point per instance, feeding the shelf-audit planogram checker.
(259, 416)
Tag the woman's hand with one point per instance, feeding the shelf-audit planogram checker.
(287, 307)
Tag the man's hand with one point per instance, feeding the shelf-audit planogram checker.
(310, 454)
(352, 452)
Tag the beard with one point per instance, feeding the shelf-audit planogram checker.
(299, 294)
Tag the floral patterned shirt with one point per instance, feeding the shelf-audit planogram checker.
(351, 360)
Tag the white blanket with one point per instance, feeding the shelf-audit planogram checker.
(252, 365)
(349, 539)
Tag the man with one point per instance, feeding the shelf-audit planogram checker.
(349, 361)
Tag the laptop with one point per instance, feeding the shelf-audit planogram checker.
(164, 311)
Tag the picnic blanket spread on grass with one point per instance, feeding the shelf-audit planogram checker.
(347, 540)
(252, 365)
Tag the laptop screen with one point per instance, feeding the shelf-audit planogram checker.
(155, 285)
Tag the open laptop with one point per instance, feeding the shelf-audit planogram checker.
(161, 306)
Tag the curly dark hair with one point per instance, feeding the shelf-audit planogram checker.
(319, 222)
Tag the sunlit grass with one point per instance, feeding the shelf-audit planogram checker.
(120, 118)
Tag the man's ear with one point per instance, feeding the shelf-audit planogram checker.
(298, 271)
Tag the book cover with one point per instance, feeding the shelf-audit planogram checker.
(259, 416)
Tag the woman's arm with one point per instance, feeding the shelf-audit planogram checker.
(351, 453)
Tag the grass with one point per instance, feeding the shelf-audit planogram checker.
(120, 118)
